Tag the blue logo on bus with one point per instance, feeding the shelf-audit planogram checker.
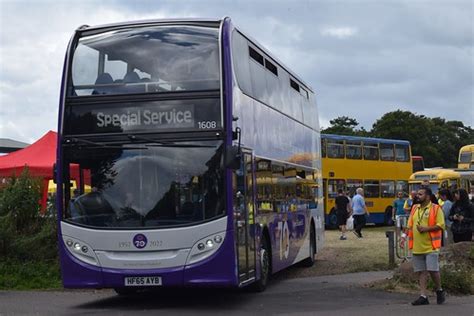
(139, 241)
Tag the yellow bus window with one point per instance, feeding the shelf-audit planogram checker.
(335, 148)
(386, 152)
(402, 153)
(371, 151)
(352, 185)
(353, 149)
(333, 186)
(387, 188)
(371, 188)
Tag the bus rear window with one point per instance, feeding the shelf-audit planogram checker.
(146, 59)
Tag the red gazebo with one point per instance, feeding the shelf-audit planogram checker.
(39, 157)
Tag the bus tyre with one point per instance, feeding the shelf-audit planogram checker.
(332, 219)
(309, 262)
(265, 266)
(388, 221)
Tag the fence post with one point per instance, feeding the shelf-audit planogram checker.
(391, 247)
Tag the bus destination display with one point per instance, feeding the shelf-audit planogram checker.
(203, 114)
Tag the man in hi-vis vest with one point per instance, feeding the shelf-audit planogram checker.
(425, 229)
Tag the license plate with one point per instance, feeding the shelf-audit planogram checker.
(143, 281)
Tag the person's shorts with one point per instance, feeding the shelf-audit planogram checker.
(426, 262)
(341, 218)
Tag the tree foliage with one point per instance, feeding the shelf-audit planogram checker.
(436, 139)
(344, 125)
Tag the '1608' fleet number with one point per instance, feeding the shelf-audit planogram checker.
(207, 124)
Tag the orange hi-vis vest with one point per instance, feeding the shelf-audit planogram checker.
(434, 235)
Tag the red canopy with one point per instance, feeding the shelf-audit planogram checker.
(39, 157)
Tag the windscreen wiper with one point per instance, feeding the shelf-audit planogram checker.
(73, 141)
(156, 143)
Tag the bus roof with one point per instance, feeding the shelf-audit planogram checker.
(467, 148)
(434, 174)
(365, 139)
(104, 27)
(86, 28)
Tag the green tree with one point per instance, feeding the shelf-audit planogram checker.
(436, 139)
(344, 125)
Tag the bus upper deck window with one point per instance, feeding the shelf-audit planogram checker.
(402, 153)
(353, 149)
(335, 148)
(386, 152)
(371, 151)
(137, 62)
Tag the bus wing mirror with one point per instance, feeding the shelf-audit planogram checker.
(233, 157)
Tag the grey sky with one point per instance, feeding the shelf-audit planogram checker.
(363, 58)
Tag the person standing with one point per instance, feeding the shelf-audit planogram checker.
(398, 211)
(425, 229)
(359, 212)
(447, 198)
(461, 215)
(409, 202)
(342, 212)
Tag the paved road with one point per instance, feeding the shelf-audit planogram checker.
(326, 295)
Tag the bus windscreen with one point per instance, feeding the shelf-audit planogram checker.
(139, 185)
(146, 60)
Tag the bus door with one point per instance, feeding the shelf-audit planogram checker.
(244, 218)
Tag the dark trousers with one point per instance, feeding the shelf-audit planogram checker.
(359, 222)
(462, 237)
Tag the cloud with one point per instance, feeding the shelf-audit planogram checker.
(339, 32)
(362, 58)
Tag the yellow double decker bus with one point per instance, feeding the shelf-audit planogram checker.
(466, 157)
(440, 178)
(380, 166)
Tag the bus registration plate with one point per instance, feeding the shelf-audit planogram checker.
(143, 281)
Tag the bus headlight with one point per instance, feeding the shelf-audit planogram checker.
(80, 250)
(205, 247)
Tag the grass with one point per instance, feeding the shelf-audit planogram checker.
(21, 275)
(369, 253)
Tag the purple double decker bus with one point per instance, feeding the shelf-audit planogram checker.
(199, 159)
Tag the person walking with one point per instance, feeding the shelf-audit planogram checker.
(342, 212)
(462, 216)
(359, 212)
(425, 228)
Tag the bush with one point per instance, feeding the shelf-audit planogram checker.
(24, 233)
(457, 268)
